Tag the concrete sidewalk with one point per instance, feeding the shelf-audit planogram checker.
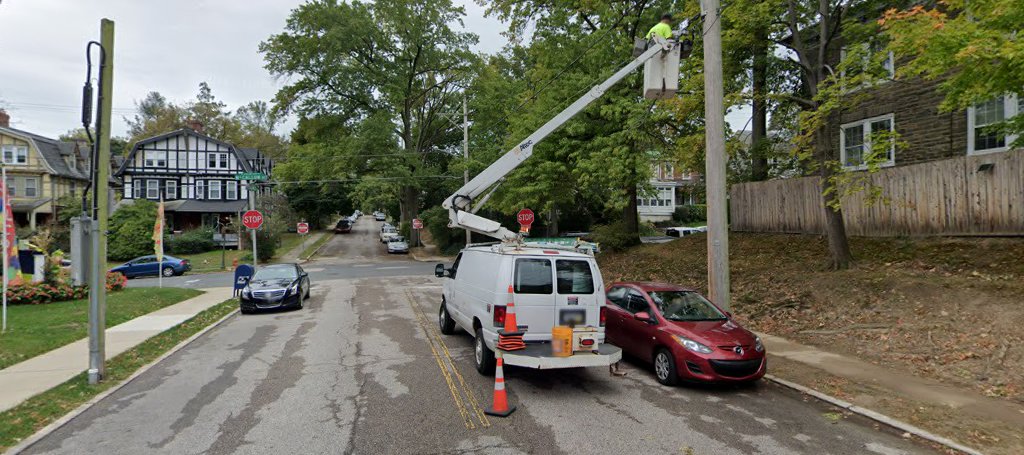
(293, 255)
(906, 384)
(24, 380)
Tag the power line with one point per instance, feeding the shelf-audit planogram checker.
(278, 182)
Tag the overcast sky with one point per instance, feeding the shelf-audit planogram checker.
(169, 46)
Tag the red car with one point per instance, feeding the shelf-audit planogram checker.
(683, 334)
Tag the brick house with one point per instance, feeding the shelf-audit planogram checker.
(670, 188)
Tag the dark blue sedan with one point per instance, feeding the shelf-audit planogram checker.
(148, 266)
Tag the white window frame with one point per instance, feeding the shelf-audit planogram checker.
(231, 190)
(12, 188)
(222, 160)
(34, 187)
(200, 192)
(891, 66)
(866, 123)
(1011, 108)
(170, 190)
(136, 188)
(18, 153)
(153, 158)
(214, 189)
(152, 189)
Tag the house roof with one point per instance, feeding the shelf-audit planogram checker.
(187, 132)
(194, 206)
(52, 152)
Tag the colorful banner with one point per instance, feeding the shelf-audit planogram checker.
(158, 232)
(13, 274)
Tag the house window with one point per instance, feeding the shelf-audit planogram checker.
(231, 191)
(888, 65)
(669, 171)
(30, 187)
(152, 189)
(981, 138)
(855, 142)
(223, 160)
(15, 154)
(137, 189)
(171, 189)
(214, 189)
(155, 159)
(200, 189)
(211, 160)
(12, 189)
(74, 188)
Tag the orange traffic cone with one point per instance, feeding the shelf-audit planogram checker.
(500, 407)
(510, 339)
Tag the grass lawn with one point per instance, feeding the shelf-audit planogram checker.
(210, 261)
(22, 421)
(35, 329)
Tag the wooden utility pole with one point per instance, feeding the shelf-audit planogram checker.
(100, 226)
(714, 121)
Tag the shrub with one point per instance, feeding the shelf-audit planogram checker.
(614, 237)
(192, 242)
(131, 231)
(447, 239)
(116, 281)
(41, 293)
(266, 245)
(690, 213)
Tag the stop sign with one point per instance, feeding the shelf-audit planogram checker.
(252, 219)
(303, 228)
(525, 217)
(417, 223)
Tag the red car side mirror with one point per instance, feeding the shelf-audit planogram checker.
(643, 316)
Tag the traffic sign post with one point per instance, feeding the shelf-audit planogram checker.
(417, 223)
(525, 218)
(302, 228)
(252, 219)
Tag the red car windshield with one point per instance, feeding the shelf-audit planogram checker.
(685, 306)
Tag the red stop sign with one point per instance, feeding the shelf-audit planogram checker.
(525, 217)
(252, 219)
(417, 223)
(303, 228)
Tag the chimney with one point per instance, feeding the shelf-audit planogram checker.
(195, 125)
(5, 119)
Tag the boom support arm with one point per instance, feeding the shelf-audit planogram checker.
(460, 205)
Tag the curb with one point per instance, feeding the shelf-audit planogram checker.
(45, 431)
(314, 253)
(877, 417)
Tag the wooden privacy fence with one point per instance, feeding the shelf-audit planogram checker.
(969, 195)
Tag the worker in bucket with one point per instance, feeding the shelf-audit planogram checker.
(663, 28)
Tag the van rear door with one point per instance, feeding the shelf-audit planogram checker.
(533, 284)
(577, 302)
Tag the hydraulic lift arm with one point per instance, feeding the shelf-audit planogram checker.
(460, 205)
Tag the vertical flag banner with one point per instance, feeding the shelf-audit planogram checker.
(158, 232)
(13, 266)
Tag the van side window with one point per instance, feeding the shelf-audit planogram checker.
(533, 276)
(574, 277)
(455, 266)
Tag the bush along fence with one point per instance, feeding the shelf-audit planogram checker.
(59, 291)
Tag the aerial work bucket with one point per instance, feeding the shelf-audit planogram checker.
(661, 74)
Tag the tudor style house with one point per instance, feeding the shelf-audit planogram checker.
(39, 171)
(193, 173)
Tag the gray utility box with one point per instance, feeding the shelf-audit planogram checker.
(661, 74)
(81, 250)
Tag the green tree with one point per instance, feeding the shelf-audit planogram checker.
(132, 227)
(975, 47)
(398, 58)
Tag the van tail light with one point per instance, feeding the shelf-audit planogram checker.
(604, 314)
(499, 315)
(587, 342)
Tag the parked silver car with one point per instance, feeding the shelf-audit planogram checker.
(398, 244)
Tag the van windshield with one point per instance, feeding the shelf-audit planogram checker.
(574, 277)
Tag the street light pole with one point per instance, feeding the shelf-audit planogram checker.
(465, 150)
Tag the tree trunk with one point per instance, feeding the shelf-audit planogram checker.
(630, 217)
(759, 127)
(410, 203)
(553, 223)
(835, 228)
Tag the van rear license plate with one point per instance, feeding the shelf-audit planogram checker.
(573, 317)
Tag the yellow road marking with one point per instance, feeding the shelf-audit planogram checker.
(447, 365)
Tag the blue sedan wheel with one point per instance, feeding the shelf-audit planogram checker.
(168, 271)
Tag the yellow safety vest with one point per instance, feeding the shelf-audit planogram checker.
(661, 29)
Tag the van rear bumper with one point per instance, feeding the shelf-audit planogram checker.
(539, 356)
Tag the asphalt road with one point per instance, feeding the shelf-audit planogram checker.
(362, 369)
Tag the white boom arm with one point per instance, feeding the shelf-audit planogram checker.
(459, 205)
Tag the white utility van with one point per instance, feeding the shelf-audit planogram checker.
(549, 287)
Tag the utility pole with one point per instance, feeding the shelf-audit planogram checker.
(465, 150)
(714, 121)
(98, 234)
